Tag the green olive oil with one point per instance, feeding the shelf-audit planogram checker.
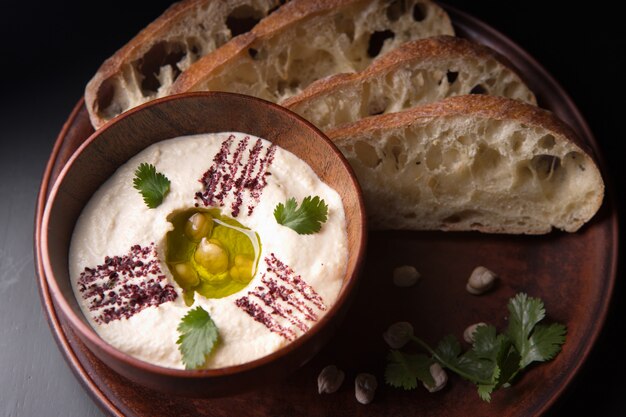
(211, 254)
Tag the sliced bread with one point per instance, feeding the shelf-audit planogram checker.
(472, 162)
(146, 67)
(417, 72)
(306, 40)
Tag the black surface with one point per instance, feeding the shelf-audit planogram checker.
(51, 49)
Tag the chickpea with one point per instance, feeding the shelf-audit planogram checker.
(398, 334)
(365, 387)
(242, 270)
(439, 376)
(212, 255)
(405, 276)
(186, 275)
(198, 226)
(468, 334)
(481, 281)
(330, 379)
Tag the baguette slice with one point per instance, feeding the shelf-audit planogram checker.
(472, 162)
(146, 67)
(305, 40)
(416, 73)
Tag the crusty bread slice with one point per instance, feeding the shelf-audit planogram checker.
(472, 162)
(415, 73)
(305, 40)
(146, 67)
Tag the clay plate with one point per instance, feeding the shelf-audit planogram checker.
(573, 273)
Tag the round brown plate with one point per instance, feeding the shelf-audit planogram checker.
(573, 273)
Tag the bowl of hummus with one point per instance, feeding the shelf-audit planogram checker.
(204, 243)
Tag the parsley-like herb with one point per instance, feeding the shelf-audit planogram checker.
(305, 220)
(152, 185)
(198, 336)
(494, 359)
(534, 342)
(403, 370)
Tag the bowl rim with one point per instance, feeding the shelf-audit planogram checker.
(87, 332)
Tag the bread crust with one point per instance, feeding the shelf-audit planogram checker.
(475, 105)
(438, 47)
(155, 32)
(134, 49)
(286, 16)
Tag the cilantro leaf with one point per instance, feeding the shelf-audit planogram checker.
(403, 370)
(507, 362)
(505, 367)
(305, 220)
(494, 359)
(198, 336)
(544, 343)
(486, 342)
(152, 185)
(468, 365)
(526, 312)
(449, 348)
(486, 349)
(533, 342)
(485, 390)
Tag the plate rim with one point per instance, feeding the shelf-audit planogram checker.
(583, 129)
(59, 335)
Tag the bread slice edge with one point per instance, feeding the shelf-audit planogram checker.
(388, 189)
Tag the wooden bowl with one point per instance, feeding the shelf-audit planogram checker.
(111, 146)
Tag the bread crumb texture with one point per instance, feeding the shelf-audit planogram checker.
(474, 173)
(419, 72)
(342, 39)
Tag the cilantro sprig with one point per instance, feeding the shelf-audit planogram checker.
(305, 220)
(494, 359)
(198, 337)
(152, 185)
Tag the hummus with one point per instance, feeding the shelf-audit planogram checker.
(119, 249)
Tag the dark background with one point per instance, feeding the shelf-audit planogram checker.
(50, 50)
